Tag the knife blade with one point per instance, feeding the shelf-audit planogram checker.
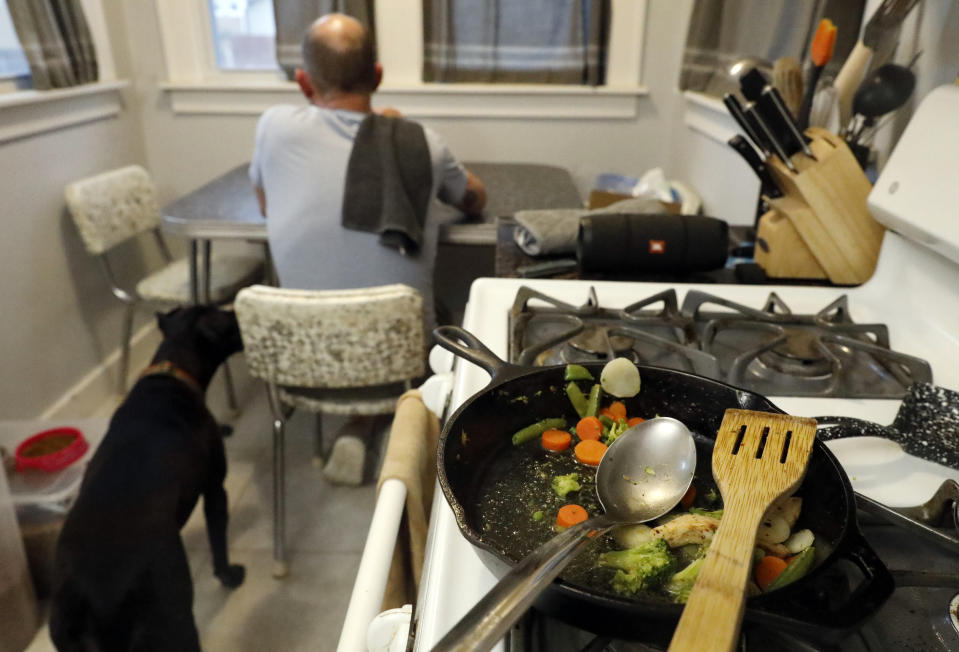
(771, 95)
(768, 186)
(753, 114)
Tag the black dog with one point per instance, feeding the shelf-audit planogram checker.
(122, 575)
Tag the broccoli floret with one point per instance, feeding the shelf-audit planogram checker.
(615, 430)
(680, 584)
(563, 484)
(712, 496)
(715, 513)
(645, 568)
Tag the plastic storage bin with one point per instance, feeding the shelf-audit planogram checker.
(19, 618)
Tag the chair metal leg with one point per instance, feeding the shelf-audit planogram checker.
(124, 370)
(318, 443)
(230, 390)
(280, 566)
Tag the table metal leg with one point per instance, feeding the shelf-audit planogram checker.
(207, 253)
(194, 280)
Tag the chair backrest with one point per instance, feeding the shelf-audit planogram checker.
(332, 338)
(110, 207)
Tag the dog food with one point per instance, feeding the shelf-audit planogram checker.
(48, 445)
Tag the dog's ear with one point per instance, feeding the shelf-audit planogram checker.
(162, 321)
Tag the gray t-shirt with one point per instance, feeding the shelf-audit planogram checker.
(300, 160)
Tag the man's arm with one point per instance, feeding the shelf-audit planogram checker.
(261, 199)
(474, 199)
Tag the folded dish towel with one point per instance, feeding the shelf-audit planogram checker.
(411, 458)
(553, 231)
(389, 178)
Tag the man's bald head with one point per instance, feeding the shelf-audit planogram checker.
(338, 56)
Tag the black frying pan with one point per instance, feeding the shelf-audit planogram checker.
(822, 605)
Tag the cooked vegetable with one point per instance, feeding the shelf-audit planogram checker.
(768, 569)
(563, 484)
(711, 513)
(679, 585)
(590, 451)
(686, 529)
(632, 536)
(556, 440)
(576, 398)
(635, 421)
(531, 432)
(589, 428)
(799, 541)
(795, 568)
(620, 377)
(687, 500)
(644, 568)
(773, 529)
(577, 372)
(618, 410)
(786, 508)
(592, 403)
(615, 430)
(538, 515)
(569, 515)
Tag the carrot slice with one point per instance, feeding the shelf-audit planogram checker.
(556, 440)
(590, 451)
(570, 515)
(687, 500)
(589, 428)
(618, 410)
(632, 422)
(768, 569)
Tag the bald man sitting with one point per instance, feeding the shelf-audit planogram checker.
(299, 172)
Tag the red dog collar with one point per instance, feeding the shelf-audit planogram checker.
(170, 369)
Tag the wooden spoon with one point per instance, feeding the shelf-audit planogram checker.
(758, 457)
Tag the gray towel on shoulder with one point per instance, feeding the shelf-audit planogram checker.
(388, 182)
(554, 231)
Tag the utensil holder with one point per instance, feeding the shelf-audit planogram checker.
(825, 202)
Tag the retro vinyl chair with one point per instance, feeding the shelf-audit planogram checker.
(111, 208)
(346, 352)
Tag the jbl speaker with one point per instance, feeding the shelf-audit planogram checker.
(651, 243)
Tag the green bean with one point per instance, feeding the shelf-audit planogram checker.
(592, 403)
(796, 569)
(577, 398)
(577, 372)
(533, 431)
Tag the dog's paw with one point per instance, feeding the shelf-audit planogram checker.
(232, 577)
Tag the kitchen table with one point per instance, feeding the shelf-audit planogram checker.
(226, 208)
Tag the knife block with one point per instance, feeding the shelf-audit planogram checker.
(825, 203)
(781, 251)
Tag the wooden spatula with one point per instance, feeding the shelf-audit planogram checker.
(758, 457)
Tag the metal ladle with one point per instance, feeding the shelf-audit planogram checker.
(642, 476)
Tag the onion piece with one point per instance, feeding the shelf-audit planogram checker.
(620, 378)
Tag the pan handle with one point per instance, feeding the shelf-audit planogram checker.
(461, 342)
(875, 588)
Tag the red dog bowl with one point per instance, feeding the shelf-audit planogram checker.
(51, 450)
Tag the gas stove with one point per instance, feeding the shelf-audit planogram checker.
(913, 340)
(768, 349)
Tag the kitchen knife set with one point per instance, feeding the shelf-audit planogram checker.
(769, 126)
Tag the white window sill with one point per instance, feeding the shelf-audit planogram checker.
(27, 113)
(422, 100)
(708, 115)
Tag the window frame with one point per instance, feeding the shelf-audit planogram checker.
(197, 85)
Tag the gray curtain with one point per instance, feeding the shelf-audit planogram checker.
(56, 42)
(294, 16)
(534, 41)
(722, 32)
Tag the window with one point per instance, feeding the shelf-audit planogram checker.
(12, 62)
(243, 34)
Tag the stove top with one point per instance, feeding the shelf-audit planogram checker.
(766, 349)
(911, 298)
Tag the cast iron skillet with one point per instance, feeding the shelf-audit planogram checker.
(822, 605)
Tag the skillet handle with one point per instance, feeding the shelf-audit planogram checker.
(464, 344)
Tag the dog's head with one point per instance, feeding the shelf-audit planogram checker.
(202, 328)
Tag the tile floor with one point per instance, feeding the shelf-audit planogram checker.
(326, 530)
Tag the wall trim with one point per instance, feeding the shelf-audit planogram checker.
(423, 101)
(30, 112)
(96, 391)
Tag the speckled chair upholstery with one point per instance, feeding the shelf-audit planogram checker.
(349, 352)
(109, 209)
